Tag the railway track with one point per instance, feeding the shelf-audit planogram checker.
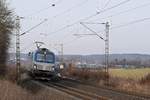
(84, 95)
(87, 92)
(105, 91)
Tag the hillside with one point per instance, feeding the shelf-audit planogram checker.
(140, 59)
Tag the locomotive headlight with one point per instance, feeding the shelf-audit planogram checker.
(53, 69)
(35, 66)
(61, 66)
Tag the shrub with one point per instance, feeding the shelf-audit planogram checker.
(11, 74)
(7, 25)
(87, 74)
(146, 79)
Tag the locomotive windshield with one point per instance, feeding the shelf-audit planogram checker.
(45, 58)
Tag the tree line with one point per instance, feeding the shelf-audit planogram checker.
(7, 26)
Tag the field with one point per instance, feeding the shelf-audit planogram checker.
(130, 73)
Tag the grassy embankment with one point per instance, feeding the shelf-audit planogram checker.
(26, 90)
(136, 74)
(136, 80)
(10, 91)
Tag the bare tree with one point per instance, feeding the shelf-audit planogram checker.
(7, 25)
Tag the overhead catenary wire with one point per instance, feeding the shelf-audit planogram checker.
(33, 27)
(122, 12)
(95, 33)
(119, 26)
(44, 9)
(41, 10)
(72, 39)
(66, 11)
(124, 24)
(54, 16)
(115, 6)
(86, 18)
(130, 23)
(59, 14)
(92, 16)
(126, 11)
(70, 9)
(107, 3)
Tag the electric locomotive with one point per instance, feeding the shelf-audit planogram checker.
(43, 64)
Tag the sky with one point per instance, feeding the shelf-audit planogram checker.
(64, 21)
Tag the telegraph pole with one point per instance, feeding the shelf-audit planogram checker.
(107, 47)
(105, 39)
(62, 53)
(18, 42)
(18, 46)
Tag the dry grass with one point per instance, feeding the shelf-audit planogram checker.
(10, 91)
(86, 75)
(136, 80)
(129, 85)
(135, 74)
(124, 82)
(11, 74)
(146, 79)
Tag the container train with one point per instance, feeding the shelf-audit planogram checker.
(43, 64)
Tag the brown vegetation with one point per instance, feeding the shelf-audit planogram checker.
(7, 24)
(146, 79)
(85, 74)
(10, 91)
(129, 85)
(11, 74)
(99, 78)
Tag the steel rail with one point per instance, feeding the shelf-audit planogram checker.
(76, 92)
(137, 96)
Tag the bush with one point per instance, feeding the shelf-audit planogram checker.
(146, 79)
(11, 74)
(87, 74)
(11, 91)
(7, 25)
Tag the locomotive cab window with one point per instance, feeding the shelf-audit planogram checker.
(45, 58)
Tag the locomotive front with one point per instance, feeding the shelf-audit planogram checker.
(43, 63)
